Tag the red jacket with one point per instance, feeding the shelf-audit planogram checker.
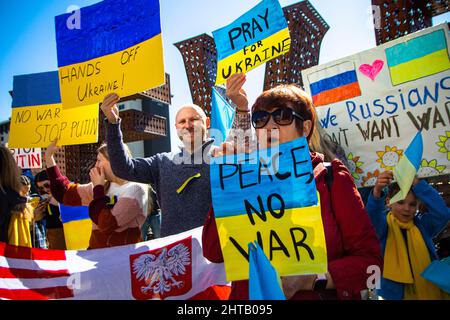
(352, 244)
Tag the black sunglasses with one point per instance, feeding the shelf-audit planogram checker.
(282, 116)
(45, 185)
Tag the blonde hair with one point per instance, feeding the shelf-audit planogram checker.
(9, 171)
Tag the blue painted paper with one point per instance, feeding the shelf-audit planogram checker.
(36, 89)
(106, 27)
(297, 185)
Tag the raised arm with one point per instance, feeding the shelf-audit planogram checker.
(143, 170)
(62, 190)
(376, 203)
(438, 214)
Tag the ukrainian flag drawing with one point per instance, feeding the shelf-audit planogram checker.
(37, 116)
(418, 58)
(407, 167)
(334, 84)
(117, 48)
(77, 226)
(257, 36)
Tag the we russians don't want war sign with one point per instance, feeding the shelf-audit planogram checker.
(373, 103)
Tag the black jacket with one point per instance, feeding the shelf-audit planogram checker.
(10, 201)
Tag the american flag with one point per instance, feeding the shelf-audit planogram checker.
(137, 271)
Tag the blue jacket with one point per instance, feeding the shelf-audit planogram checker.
(429, 223)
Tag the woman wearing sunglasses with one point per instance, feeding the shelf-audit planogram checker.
(286, 113)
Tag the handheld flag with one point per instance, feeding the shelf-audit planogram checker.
(77, 226)
(264, 282)
(407, 167)
(221, 117)
(438, 273)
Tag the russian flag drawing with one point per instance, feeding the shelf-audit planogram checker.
(117, 48)
(334, 84)
(407, 167)
(418, 58)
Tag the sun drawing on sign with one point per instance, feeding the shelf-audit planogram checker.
(354, 165)
(370, 179)
(430, 169)
(444, 144)
(389, 157)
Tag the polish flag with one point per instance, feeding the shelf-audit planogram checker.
(167, 268)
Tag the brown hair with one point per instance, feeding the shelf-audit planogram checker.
(9, 171)
(103, 150)
(291, 96)
(394, 188)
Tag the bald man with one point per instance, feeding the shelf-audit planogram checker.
(180, 179)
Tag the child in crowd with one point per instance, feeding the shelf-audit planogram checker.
(406, 237)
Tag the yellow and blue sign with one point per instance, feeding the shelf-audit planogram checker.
(256, 37)
(118, 48)
(77, 226)
(38, 118)
(269, 196)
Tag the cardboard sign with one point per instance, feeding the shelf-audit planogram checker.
(269, 196)
(258, 36)
(117, 48)
(37, 116)
(28, 158)
(374, 103)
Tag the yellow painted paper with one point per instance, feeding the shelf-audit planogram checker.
(300, 231)
(126, 72)
(37, 126)
(422, 67)
(253, 55)
(77, 234)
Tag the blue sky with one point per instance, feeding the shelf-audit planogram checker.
(28, 37)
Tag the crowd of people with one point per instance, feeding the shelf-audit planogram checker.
(136, 199)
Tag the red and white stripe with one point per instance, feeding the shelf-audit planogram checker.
(32, 274)
(35, 274)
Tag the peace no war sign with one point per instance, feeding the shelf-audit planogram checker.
(269, 196)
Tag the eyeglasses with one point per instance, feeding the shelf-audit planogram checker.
(45, 185)
(282, 116)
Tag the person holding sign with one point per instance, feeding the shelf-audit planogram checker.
(351, 242)
(15, 214)
(406, 236)
(117, 208)
(180, 179)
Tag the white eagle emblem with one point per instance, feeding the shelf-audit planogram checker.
(159, 271)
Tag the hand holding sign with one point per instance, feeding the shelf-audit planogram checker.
(383, 180)
(293, 284)
(235, 91)
(109, 107)
(50, 152)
